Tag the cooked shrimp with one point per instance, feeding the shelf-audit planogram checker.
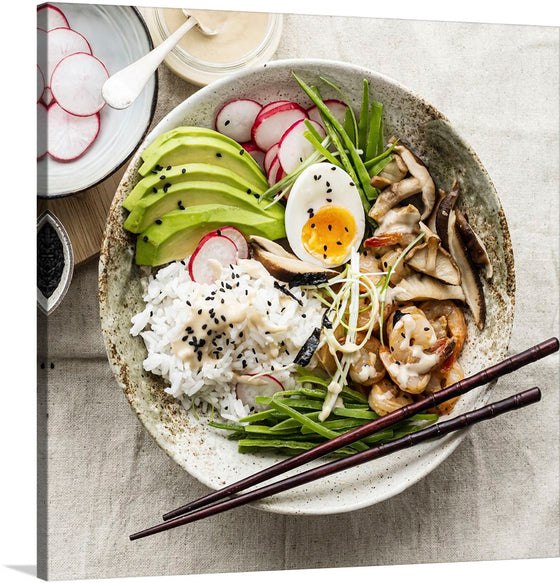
(385, 397)
(447, 320)
(368, 369)
(414, 349)
(441, 379)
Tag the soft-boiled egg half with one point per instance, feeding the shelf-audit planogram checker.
(324, 215)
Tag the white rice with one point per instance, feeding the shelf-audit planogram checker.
(266, 346)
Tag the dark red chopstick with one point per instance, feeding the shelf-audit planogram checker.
(485, 376)
(438, 430)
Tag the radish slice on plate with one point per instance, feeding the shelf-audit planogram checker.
(238, 238)
(337, 108)
(76, 84)
(271, 153)
(271, 125)
(49, 17)
(294, 147)
(258, 155)
(236, 118)
(252, 386)
(213, 251)
(69, 136)
(40, 83)
(47, 96)
(62, 42)
(41, 130)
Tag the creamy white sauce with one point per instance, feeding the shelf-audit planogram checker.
(238, 33)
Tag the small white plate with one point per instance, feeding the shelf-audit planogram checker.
(118, 37)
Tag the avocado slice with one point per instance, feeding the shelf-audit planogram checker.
(186, 131)
(180, 231)
(188, 194)
(188, 172)
(207, 150)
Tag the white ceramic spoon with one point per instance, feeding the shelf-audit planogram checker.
(122, 88)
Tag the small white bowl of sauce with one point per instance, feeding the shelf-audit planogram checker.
(242, 40)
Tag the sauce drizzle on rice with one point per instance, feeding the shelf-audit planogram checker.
(201, 338)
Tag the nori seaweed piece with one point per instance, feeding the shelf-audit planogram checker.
(308, 279)
(308, 349)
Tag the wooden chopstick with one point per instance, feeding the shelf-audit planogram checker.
(437, 430)
(485, 376)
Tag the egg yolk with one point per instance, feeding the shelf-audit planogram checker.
(329, 234)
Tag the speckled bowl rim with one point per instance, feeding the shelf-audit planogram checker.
(450, 442)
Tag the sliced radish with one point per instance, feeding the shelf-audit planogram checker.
(271, 125)
(76, 84)
(69, 136)
(49, 17)
(271, 153)
(62, 42)
(40, 83)
(272, 105)
(273, 171)
(47, 96)
(236, 118)
(238, 238)
(41, 130)
(252, 386)
(294, 147)
(211, 249)
(337, 108)
(258, 155)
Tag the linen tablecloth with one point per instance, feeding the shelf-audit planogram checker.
(495, 497)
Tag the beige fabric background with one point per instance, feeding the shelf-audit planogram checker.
(496, 497)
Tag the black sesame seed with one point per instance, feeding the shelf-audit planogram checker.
(324, 255)
(397, 361)
(304, 316)
(189, 304)
(330, 227)
(267, 332)
(209, 333)
(158, 167)
(333, 167)
(312, 225)
(185, 338)
(181, 208)
(218, 155)
(324, 247)
(183, 171)
(222, 301)
(339, 242)
(329, 199)
(240, 334)
(403, 334)
(200, 311)
(226, 123)
(329, 190)
(309, 210)
(223, 318)
(346, 229)
(244, 363)
(158, 221)
(204, 326)
(145, 238)
(154, 188)
(426, 329)
(241, 152)
(249, 191)
(351, 183)
(162, 177)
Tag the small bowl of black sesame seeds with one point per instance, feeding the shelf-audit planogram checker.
(55, 262)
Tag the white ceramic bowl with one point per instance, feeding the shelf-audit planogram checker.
(204, 452)
(118, 37)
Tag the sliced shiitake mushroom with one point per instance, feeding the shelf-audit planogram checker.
(424, 287)
(470, 280)
(473, 243)
(444, 210)
(430, 258)
(285, 266)
(420, 181)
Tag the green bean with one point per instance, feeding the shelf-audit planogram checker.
(355, 413)
(296, 403)
(337, 425)
(316, 426)
(263, 415)
(358, 171)
(320, 148)
(349, 125)
(251, 445)
(375, 133)
(228, 426)
(363, 123)
(291, 423)
(261, 429)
